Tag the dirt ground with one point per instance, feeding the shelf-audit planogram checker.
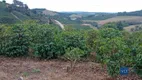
(31, 69)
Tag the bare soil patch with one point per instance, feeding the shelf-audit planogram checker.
(30, 69)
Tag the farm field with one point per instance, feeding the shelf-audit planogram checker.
(76, 49)
(46, 44)
(128, 28)
(32, 69)
(78, 26)
(116, 19)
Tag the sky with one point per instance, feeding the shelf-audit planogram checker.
(85, 5)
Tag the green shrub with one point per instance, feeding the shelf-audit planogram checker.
(113, 68)
(109, 43)
(73, 55)
(18, 43)
(4, 37)
(138, 61)
(43, 51)
(42, 41)
(113, 48)
(121, 58)
(92, 35)
(7, 20)
(75, 39)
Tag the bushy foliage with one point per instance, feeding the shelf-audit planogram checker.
(14, 41)
(4, 37)
(138, 61)
(113, 48)
(117, 25)
(42, 41)
(135, 44)
(74, 54)
(75, 39)
(7, 20)
(92, 35)
(113, 68)
(108, 44)
(18, 43)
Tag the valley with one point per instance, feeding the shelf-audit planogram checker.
(42, 44)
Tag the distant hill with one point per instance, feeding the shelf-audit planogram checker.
(134, 13)
(17, 12)
(44, 12)
(5, 16)
(100, 16)
(10, 13)
(136, 19)
(50, 13)
(132, 18)
(133, 28)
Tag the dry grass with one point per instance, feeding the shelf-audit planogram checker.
(128, 28)
(121, 18)
(118, 18)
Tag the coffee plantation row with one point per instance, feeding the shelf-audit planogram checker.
(113, 48)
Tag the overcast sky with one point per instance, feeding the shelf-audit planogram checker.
(85, 5)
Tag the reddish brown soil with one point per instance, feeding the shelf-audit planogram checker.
(30, 69)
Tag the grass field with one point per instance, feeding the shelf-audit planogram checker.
(78, 26)
(116, 19)
(128, 28)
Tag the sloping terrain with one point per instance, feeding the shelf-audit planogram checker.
(21, 16)
(136, 19)
(10, 13)
(44, 12)
(5, 15)
(50, 13)
(121, 18)
(73, 19)
(129, 28)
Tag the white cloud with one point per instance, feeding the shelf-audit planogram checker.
(85, 5)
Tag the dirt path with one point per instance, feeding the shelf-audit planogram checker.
(29, 69)
(60, 24)
(91, 26)
(16, 17)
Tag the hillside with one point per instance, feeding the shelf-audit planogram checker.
(9, 14)
(39, 44)
(5, 16)
(44, 12)
(121, 18)
(133, 28)
(12, 13)
(133, 13)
